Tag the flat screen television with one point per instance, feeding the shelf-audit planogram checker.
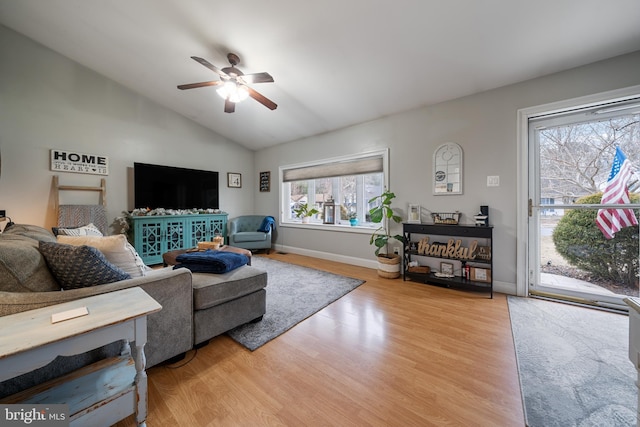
(168, 187)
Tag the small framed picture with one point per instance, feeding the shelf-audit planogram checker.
(234, 180)
(446, 268)
(414, 214)
(481, 274)
(265, 181)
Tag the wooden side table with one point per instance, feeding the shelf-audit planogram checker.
(29, 340)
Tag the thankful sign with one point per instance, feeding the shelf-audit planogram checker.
(452, 249)
(71, 161)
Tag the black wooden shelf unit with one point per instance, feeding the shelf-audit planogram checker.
(472, 269)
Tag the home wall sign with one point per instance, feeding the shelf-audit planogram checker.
(71, 161)
(447, 169)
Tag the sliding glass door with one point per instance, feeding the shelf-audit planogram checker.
(584, 200)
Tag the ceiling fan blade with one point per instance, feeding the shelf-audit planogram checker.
(262, 99)
(201, 84)
(229, 107)
(258, 78)
(210, 66)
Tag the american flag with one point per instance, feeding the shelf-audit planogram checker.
(610, 221)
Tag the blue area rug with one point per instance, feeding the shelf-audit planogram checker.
(293, 294)
(573, 364)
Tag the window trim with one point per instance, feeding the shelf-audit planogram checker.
(284, 201)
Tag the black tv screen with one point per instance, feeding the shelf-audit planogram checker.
(168, 187)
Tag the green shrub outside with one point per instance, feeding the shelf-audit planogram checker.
(579, 240)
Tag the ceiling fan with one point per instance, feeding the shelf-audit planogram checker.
(234, 84)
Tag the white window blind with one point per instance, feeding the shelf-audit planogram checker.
(361, 166)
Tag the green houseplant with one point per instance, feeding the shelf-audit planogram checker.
(304, 211)
(388, 263)
(353, 218)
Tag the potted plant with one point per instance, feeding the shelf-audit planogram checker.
(304, 211)
(353, 218)
(388, 263)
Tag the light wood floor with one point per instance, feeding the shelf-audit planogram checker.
(390, 353)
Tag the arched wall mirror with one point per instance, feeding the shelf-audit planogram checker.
(447, 169)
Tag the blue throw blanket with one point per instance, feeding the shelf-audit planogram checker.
(211, 261)
(268, 223)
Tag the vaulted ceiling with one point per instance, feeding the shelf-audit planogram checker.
(335, 62)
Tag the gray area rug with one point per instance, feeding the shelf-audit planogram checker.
(573, 364)
(293, 294)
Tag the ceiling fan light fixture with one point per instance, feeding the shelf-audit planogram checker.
(233, 91)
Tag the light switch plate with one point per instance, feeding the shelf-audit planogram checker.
(493, 181)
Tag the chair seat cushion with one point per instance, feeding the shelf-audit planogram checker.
(213, 289)
(250, 236)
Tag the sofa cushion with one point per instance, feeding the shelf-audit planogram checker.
(32, 231)
(250, 236)
(85, 230)
(22, 267)
(116, 249)
(79, 266)
(213, 289)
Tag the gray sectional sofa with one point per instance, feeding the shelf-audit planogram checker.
(195, 306)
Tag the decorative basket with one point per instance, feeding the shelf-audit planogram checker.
(450, 218)
(208, 245)
(419, 269)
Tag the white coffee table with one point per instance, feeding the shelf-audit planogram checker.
(29, 340)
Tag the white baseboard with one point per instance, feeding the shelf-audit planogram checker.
(501, 287)
(328, 256)
(504, 287)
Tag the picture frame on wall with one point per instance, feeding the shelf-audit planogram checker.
(413, 214)
(234, 180)
(265, 181)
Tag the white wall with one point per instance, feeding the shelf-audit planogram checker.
(484, 125)
(48, 101)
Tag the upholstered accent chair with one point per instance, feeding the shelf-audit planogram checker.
(244, 233)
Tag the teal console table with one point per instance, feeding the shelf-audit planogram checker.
(155, 235)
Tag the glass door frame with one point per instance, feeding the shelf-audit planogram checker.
(527, 237)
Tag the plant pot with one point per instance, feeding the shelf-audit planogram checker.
(305, 220)
(389, 266)
(353, 221)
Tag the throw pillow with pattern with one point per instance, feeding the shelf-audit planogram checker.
(85, 230)
(79, 266)
(116, 249)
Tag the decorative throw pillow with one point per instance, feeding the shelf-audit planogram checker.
(115, 248)
(79, 266)
(85, 230)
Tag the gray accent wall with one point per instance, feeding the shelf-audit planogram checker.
(48, 101)
(484, 125)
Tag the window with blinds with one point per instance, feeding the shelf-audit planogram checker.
(347, 182)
